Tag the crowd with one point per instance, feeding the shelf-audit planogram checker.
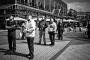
(28, 31)
(73, 26)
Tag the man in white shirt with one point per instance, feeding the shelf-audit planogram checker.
(51, 30)
(30, 34)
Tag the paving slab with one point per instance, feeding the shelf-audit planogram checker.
(41, 52)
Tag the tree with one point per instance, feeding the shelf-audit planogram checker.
(72, 13)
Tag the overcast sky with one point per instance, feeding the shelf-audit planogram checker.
(79, 5)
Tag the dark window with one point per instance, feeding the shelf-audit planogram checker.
(3, 2)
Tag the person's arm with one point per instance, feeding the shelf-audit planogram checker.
(10, 27)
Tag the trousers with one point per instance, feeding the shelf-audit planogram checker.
(30, 42)
(52, 37)
(42, 35)
(12, 43)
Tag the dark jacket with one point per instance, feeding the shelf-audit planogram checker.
(42, 25)
(11, 31)
(60, 27)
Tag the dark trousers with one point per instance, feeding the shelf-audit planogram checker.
(12, 43)
(42, 34)
(52, 37)
(60, 35)
(30, 41)
(23, 35)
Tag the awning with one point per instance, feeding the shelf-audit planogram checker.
(64, 20)
(18, 19)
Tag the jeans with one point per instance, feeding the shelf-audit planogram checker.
(42, 34)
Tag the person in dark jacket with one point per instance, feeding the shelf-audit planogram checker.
(11, 26)
(42, 26)
(60, 29)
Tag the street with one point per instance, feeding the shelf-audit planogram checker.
(74, 46)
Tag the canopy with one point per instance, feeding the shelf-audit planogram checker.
(70, 20)
(18, 19)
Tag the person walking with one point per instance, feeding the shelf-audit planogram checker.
(42, 26)
(30, 35)
(60, 29)
(51, 31)
(11, 26)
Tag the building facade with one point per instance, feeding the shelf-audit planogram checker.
(22, 8)
(82, 16)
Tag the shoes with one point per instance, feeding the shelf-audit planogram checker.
(52, 44)
(14, 51)
(44, 43)
(30, 56)
(39, 43)
(9, 52)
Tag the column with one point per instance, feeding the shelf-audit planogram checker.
(44, 4)
(50, 6)
(15, 1)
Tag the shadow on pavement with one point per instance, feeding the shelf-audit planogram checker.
(3, 50)
(7, 52)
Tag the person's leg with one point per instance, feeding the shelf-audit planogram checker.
(53, 38)
(22, 35)
(75, 29)
(58, 35)
(44, 38)
(80, 29)
(40, 36)
(30, 41)
(50, 36)
(14, 44)
(61, 36)
(10, 42)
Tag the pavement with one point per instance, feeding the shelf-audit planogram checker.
(44, 52)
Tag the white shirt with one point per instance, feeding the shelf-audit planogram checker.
(30, 28)
(52, 27)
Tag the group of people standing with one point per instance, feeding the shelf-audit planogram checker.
(29, 29)
(53, 27)
(73, 26)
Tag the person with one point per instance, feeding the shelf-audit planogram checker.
(11, 26)
(22, 30)
(60, 29)
(42, 26)
(51, 31)
(79, 27)
(74, 27)
(30, 35)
